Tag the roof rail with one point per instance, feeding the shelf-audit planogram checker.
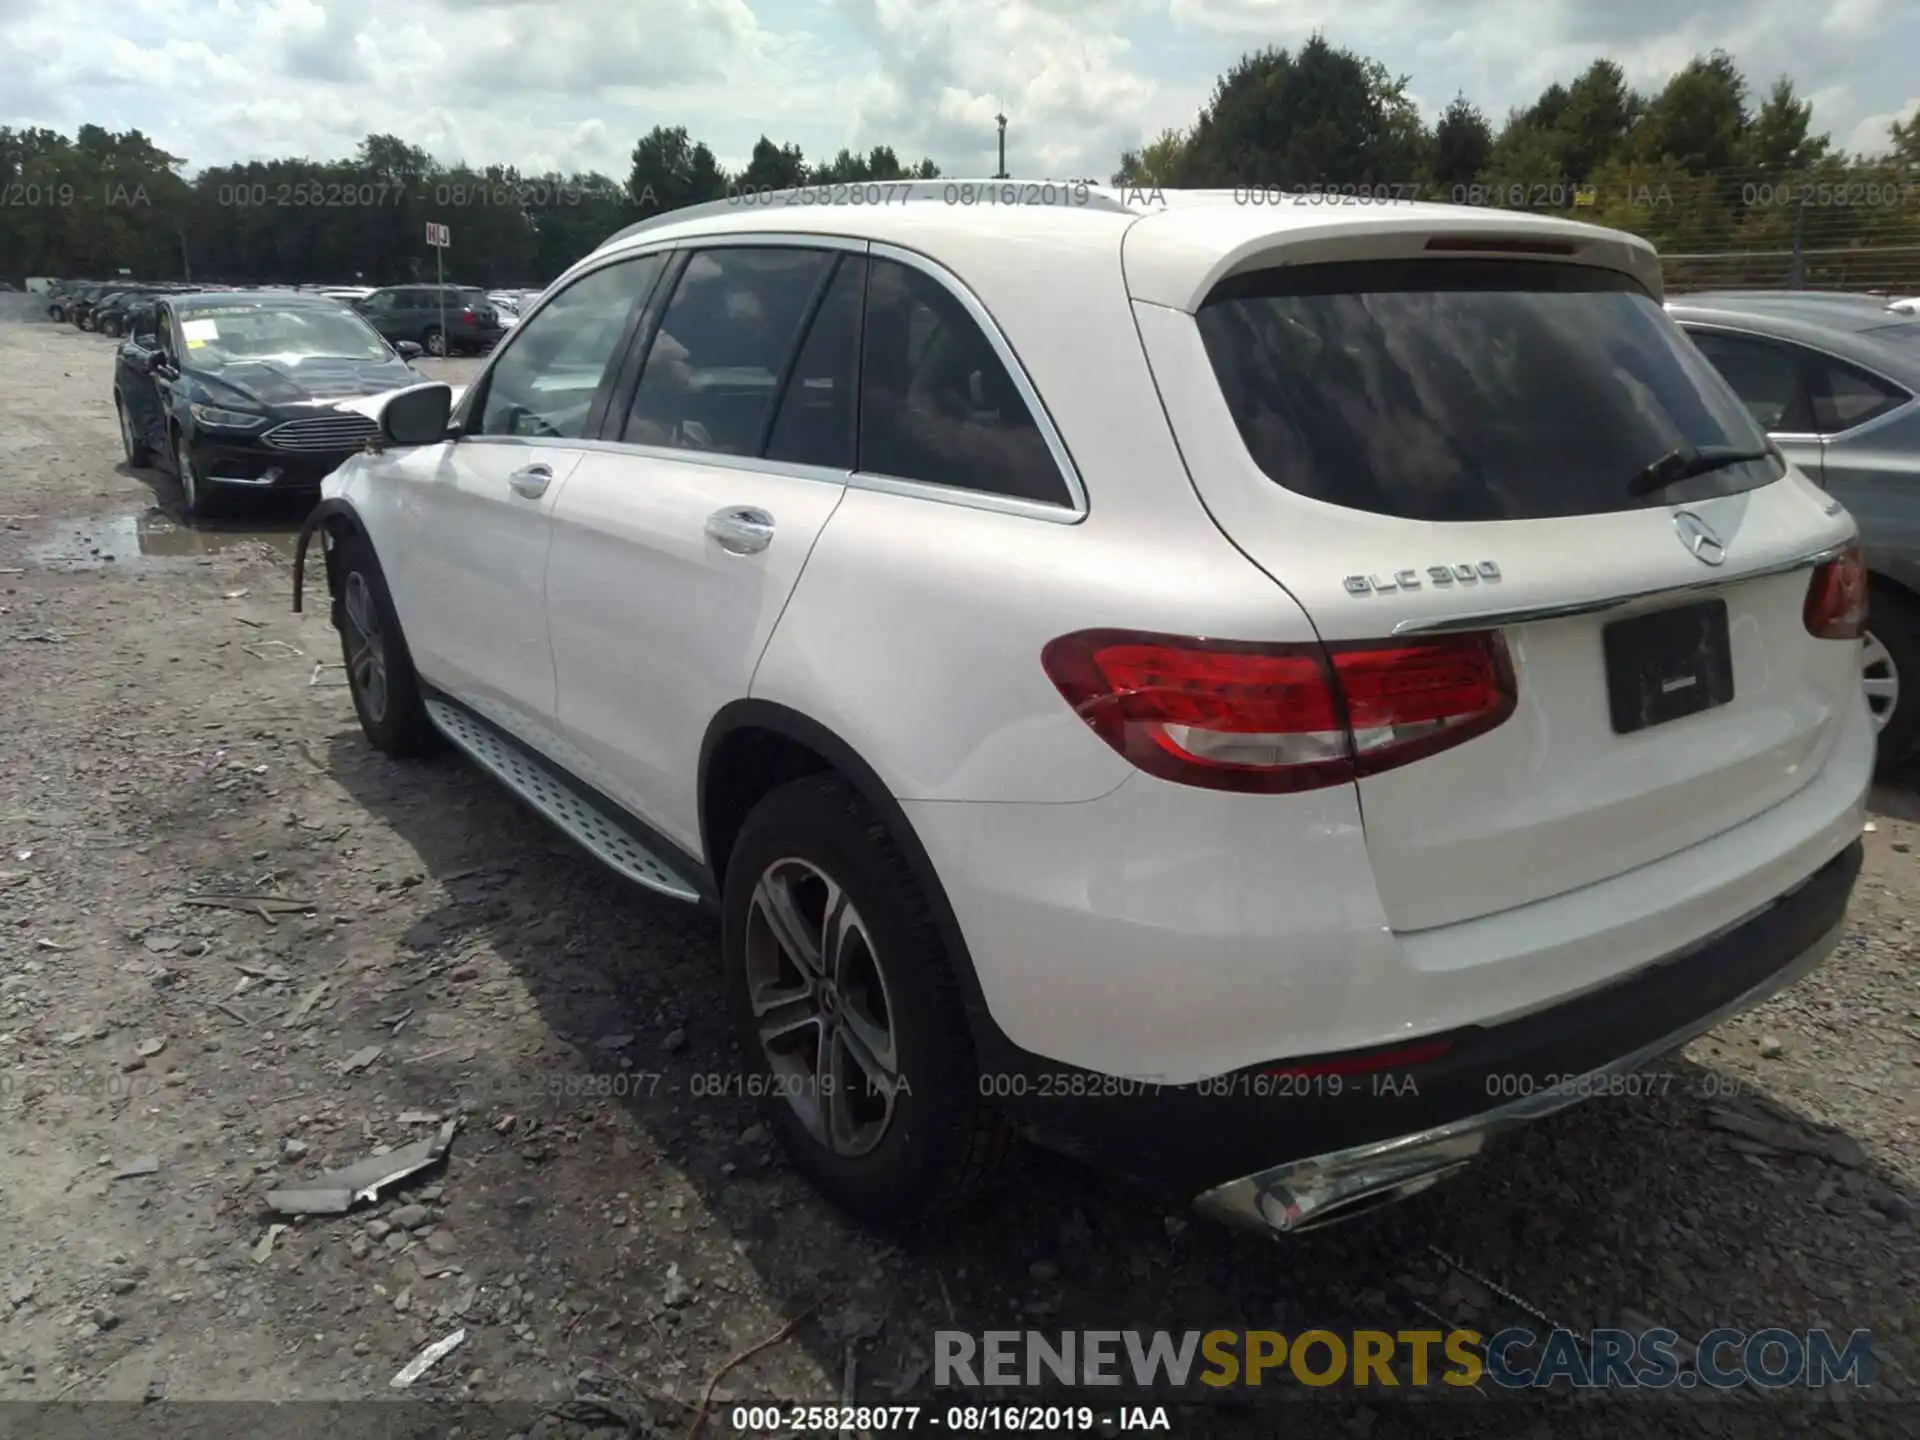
(1035, 193)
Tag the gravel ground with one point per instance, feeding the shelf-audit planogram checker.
(166, 737)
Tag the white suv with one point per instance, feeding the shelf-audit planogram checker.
(1263, 697)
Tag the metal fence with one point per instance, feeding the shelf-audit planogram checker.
(1892, 270)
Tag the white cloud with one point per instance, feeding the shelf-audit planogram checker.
(571, 84)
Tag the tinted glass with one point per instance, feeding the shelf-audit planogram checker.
(1845, 397)
(1455, 390)
(544, 384)
(815, 422)
(722, 346)
(222, 335)
(936, 404)
(1766, 377)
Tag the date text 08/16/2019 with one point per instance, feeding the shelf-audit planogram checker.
(955, 1419)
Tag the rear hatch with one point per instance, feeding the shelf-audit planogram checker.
(1448, 444)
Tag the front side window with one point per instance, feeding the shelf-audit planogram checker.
(545, 382)
(1466, 390)
(1767, 377)
(936, 404)
(723, 344)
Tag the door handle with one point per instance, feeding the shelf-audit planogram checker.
(741, 529)
(531, 480)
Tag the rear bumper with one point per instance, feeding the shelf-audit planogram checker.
(1555, 1060)
(1292, 1142)
(1196, 991)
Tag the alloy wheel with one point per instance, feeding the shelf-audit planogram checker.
(366, 647)
(1880, 678)
(436, 343)
(825, 1020)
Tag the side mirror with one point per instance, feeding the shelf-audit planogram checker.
(408, 349)
(417, 415)
(156, 361)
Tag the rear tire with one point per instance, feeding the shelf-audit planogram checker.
(380, 673)
(434, 342)
(1890, 671)
(829, 942)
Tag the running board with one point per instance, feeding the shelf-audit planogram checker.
(595, 828)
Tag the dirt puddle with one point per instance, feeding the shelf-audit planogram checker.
(93, 543)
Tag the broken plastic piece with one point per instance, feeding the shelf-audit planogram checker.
(336, 1192)
(427, 1359)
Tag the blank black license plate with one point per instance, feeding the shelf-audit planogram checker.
(1667, 665)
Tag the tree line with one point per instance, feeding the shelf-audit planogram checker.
(1703, 165)
(1706, 164)
(100, 202)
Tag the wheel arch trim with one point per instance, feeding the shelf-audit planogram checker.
(802, 729)
(335, 515)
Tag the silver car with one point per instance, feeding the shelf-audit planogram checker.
(1833, 380)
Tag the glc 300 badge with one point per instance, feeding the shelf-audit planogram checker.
(1439, 575)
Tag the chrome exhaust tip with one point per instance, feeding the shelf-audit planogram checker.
(1310, 1194)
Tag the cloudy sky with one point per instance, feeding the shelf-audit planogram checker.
(570, 84)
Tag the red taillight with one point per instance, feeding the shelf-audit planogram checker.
(1836, 606)
(467, 317)
(1236, 715)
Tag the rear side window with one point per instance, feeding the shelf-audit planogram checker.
(1460, 390)
(1844, 397)
(1768, 378)
(936, 404)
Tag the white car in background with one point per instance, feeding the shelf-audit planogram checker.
(1196, 707)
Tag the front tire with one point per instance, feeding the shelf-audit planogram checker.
(847, 1009)
(380, 673)
(1890, 674)
(199, 498)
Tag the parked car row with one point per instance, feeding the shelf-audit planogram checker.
(1111, 678)
(440, 319)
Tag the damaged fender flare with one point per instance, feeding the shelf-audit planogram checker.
(323, 513)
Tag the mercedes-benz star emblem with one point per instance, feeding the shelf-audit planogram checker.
(1698, 537)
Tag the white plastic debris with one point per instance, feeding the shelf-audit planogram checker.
(427, 1359)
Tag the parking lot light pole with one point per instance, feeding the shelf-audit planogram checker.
(1001, 121)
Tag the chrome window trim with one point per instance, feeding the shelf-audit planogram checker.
(863, 480)
(1071, 513)
(1527, 615)
(823, 474)
(970, 499)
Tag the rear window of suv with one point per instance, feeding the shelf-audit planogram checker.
(1459, 390)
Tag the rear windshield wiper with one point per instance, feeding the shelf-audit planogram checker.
(1687, 462)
